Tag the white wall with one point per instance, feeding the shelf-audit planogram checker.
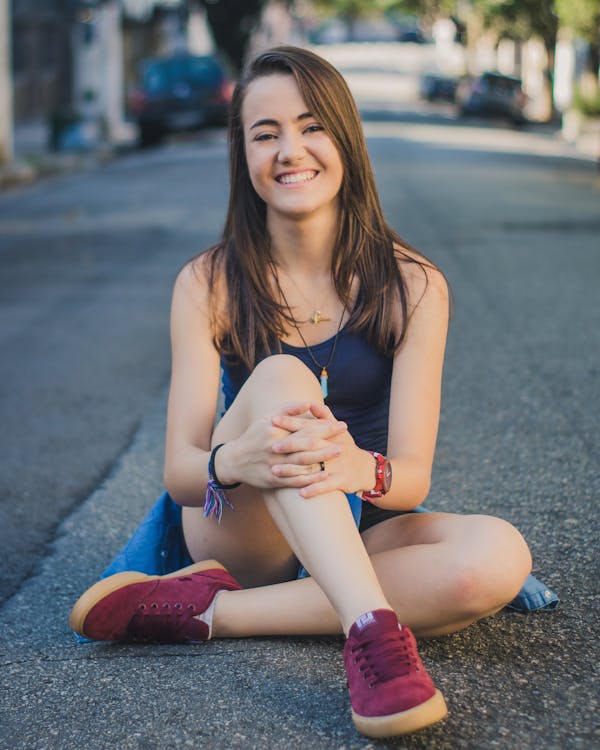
(98, 73)
(6, 109)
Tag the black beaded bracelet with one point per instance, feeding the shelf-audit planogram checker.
(212, 474)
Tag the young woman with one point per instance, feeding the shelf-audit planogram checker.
(328, 332)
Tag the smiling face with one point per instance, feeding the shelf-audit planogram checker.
(292, 162)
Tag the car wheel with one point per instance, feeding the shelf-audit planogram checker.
(518, 120)
(150, 135)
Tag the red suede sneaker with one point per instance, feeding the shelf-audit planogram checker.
(133, 607)
(390, 690)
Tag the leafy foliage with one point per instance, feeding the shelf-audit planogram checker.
(583, 16)
(520, 19)
(427, 9)
(357, 8)
(351, 8)
(587, 104)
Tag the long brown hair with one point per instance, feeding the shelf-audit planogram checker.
(365, 246)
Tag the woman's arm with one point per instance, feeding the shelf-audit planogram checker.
(193, 397)
(193, 394)
(416, 388)
(414, 405)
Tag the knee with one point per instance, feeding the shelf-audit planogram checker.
(491, 574)
(286, 370)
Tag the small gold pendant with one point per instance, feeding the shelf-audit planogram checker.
(317, 317)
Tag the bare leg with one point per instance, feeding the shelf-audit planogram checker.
(321, 531)
(452, 571)
(439, 572)
(325, 539)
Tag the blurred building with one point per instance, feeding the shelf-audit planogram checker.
(72, 60)
(41, 56)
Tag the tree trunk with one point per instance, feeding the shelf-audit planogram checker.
(232, 23)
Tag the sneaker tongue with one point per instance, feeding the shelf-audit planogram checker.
(379, 620)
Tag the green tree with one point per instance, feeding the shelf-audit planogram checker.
(428, 10)
(353, 9)
(350, 11)
(582, 16)
(520, 19)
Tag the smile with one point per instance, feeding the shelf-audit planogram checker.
(291, 179)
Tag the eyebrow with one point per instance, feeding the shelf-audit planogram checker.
(267, 121)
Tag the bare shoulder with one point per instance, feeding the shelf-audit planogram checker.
(193, 279)
(198, 284)
(424, 281)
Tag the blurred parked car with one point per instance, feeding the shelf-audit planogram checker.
(435, 87)
(493, 95)
(411, 34)
(183, 92)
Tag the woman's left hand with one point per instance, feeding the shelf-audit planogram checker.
(345, 472)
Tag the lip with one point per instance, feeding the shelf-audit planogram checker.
(294, 172)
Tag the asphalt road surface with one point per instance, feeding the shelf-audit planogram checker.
(86, 267)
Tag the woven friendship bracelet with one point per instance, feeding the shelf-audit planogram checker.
(215, 498)
(213, 473)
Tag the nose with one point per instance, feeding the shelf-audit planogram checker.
(291, 147)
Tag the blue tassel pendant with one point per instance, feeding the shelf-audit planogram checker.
(324, 389)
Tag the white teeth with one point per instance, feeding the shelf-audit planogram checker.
(288, 179)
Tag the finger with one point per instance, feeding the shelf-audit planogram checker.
(306, 458)
(309, 471)
(319, 487)
(316, 448)
(334, 428)
(318, 427)
(311, 430)
(321, 411)
(291, 424)
(294, 408)
(299, 482)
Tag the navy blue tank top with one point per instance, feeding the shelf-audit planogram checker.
(359, 385)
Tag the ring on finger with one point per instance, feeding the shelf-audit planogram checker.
(322, 465)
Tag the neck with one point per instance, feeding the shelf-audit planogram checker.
(304, 247)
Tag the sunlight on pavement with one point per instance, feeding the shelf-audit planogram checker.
(470, 138)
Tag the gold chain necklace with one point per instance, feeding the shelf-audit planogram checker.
(324, 377)
(317, 316)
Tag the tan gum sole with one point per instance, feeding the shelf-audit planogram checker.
(404, 722)
(106, 586)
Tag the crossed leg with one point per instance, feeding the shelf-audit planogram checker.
(439, 572)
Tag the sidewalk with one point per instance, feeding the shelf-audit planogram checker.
(34, 159)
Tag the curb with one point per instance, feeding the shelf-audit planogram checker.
(583, 134)
(25, 170)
